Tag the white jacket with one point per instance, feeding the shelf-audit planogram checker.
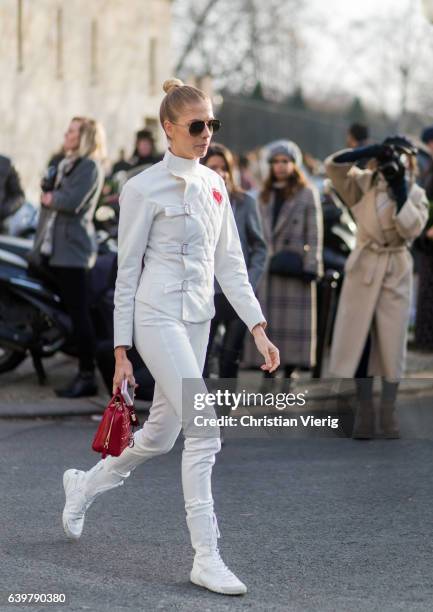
(176, 230)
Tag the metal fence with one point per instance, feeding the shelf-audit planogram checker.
(250, 123)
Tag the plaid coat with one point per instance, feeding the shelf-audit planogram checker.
(289, 304)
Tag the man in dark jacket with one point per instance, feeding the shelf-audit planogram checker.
(144, 155)
(11, 192)
(357, 135)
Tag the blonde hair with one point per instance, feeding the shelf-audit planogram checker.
(92, 139)
(177, 97)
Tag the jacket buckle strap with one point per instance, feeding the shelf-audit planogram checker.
(182, 286)
(176, 210)
(176, 249)
(185, 248)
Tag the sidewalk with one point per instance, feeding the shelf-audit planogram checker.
(22, 397)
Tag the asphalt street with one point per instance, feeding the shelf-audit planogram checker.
(310, 521)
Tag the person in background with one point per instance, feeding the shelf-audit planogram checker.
(314, 169)
(11, 192)
(220, 160)
(424, 251)
(65, 243)
(425, 164)
(144, 152)
(144, 155)
(357, 135)
(121, 163)
(370, 332)
(247, 181)
(292, 224)
(57, 157)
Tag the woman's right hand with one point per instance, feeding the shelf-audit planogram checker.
(123, 369)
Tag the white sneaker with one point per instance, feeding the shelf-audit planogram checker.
(81, 489)
(211, 572)
(76, 503)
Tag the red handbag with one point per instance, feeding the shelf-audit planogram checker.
(115, 431)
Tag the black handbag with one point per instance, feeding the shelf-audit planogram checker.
(288, 264)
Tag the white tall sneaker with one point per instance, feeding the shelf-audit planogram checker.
(81, 489)
(76, 503)
(209, 570)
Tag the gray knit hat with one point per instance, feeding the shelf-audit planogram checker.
(287, 148)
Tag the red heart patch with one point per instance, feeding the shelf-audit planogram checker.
(217, 196)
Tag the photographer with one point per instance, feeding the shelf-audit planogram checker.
(65, 243)
(390, 210)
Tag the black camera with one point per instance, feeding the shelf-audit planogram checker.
(49, 179)
(390, 162)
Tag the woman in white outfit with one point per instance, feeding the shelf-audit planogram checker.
(176, 231)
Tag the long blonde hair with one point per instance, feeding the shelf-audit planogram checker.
(92, 139)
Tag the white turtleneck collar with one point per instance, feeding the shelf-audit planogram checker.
(180, 165)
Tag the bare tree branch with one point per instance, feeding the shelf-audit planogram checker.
(197, 32)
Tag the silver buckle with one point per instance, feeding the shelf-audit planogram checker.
(184, 285)
(187, 209)
(184, 249)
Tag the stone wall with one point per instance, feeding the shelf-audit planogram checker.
(78, 57)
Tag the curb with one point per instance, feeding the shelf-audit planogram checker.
(62, 408)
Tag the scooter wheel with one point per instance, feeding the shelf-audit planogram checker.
(9, 359)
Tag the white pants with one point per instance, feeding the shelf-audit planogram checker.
(173, 350)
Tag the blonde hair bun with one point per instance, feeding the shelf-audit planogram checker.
(170, 84)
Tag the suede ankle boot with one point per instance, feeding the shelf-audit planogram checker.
(388, 420)
(363, 428)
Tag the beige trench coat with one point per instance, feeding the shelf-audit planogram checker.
(377, 287)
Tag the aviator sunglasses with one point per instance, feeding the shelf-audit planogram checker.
(197, 127)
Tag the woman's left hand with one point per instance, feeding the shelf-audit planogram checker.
(267, 349)
(47, 198)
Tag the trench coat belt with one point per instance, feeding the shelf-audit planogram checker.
(379, 249)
